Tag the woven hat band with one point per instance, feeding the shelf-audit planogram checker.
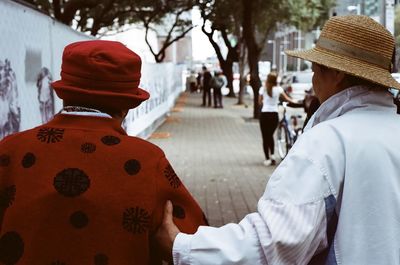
(354, 52)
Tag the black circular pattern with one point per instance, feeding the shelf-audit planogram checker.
(178, 212)
(132, 167)
(57, 262)
(4, 160)
(28, 160)
(11, 248)
(88, 148)
(78, 219)
(100, 259)
(173, 179)
(136, 220)
(71, 182)
(110, 140)
(50, 135)
(7, 197)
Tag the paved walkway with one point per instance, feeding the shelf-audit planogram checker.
(218, 155)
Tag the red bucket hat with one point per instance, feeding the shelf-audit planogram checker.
(100, 73)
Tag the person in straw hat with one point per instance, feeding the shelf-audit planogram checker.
(78, 189)
(335, 198)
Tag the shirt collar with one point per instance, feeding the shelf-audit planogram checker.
(349, 99)
(82, 113)
(86, 122)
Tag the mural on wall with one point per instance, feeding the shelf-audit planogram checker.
(45, 94)
(10, 111)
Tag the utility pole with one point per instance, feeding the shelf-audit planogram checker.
(273, 53)
(299, 48)
(389, 15)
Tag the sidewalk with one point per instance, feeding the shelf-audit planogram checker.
(218, 155)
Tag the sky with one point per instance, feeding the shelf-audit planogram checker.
(134, 39)
(201, 46)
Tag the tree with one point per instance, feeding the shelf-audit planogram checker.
(96, 16)
(166, 13)
(61, 10)
(309, 14)
(261, 17)
(222, 14)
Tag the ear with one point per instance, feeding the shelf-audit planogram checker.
(340, 76)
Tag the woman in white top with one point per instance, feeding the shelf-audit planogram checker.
(269, 98)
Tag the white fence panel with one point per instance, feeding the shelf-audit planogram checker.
(31, 47)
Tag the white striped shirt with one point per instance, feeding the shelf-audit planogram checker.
(335, 197)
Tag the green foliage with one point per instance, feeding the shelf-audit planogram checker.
(92, 15)
(324, 12)
(308, 14)
(304, 66)
(98, 16)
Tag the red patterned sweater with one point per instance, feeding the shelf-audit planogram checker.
(79, 191)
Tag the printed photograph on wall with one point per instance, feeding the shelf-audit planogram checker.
(10, 112)
(45, 94)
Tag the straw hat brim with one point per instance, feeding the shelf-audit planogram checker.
(352, 66)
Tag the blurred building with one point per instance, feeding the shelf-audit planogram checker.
(180, 51)
(289, 38)
(381, 11)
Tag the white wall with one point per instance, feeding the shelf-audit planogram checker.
(164, 83)
(30, 41)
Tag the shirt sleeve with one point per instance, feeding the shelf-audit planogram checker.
(289, 226)
(187, 214)
(279, 89)
(261, 90)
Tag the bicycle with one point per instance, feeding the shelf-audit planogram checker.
(288, 131)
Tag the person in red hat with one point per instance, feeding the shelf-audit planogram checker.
(78, 189)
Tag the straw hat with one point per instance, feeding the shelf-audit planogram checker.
(100, 73)
(356, 45)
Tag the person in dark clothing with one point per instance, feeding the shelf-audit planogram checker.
(206, 80)
(311, 104)
(217, 82)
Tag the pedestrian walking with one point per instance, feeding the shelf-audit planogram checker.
(78, 189)
(193, 81)
(310, 105)
(335, 198)
(206, 84)
(269, 97)
(217, 83)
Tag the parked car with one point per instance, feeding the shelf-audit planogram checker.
(296, 84)
(395, 92)
(396, 76)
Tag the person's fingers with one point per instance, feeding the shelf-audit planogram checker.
(166, 233)
(168, 222)
(168, 210)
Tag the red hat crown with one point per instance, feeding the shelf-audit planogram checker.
(100, 73)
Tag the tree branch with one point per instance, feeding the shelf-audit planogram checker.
(213, 43)
(146, 38)
(100, 18)
(57, 9)
(72, 6)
